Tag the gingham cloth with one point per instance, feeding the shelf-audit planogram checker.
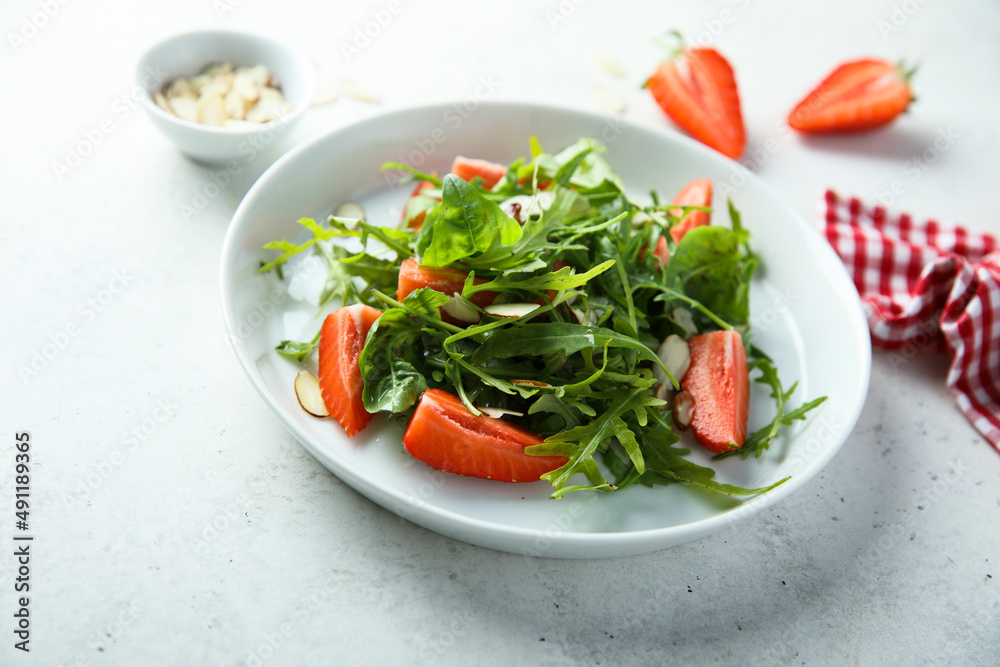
(923, 284)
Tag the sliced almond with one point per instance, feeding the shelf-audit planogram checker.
(608, 63)
(247, 85)
(199, 81)
(269, 106)
(497, 413)
(218, 69)
(665, 392)
(460, 310)
(258, 75)
(608, 99)
(310, 394)
(325, 97)
(211, 109)
(683, 410)
(531, 383)
(675, 354)
(350, 209)
(511, 310)
(185, 107)
(236, 105)
(683, 318)
(162, 102)
(355, 90)
(182, 87)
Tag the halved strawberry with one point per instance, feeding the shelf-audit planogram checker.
(859, 95)
(468, 168)
(697, 89)
(445, 435)
(443, 279)
(695, 193)
(719, 383)
(340, 343)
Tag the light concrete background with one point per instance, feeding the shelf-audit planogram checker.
(214, 539)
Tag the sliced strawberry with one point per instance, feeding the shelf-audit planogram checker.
(662, 251)
(697, 89)
(417, 206)
(340, 343)
(468, 168)
(859, 95)
(446, 280)
(695, 193)
(719, 383)
(445, 435)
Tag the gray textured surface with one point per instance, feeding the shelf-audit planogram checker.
(214, 537)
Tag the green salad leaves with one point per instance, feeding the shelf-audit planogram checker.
(577, 359)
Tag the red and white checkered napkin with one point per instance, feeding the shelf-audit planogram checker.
(921, 283)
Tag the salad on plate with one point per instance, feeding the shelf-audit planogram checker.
(532, 321)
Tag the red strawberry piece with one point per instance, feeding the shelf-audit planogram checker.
(697, 89)
(719, 383)
(417, 205)
(443, 279)
(445, 435)
(468, 168)
(857, 96)
(340, 343)
(695, 193)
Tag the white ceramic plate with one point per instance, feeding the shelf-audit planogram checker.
(804, 308)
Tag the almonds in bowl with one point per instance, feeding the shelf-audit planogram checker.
(225, 95)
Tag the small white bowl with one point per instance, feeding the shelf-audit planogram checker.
(188, 54)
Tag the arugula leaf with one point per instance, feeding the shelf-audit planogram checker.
(708, 262)
(391, 365)
(563, 279)
(578, 444)
(416, 173)
(759, 441)
(298, 351)
(465, 223)
(541, 338)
